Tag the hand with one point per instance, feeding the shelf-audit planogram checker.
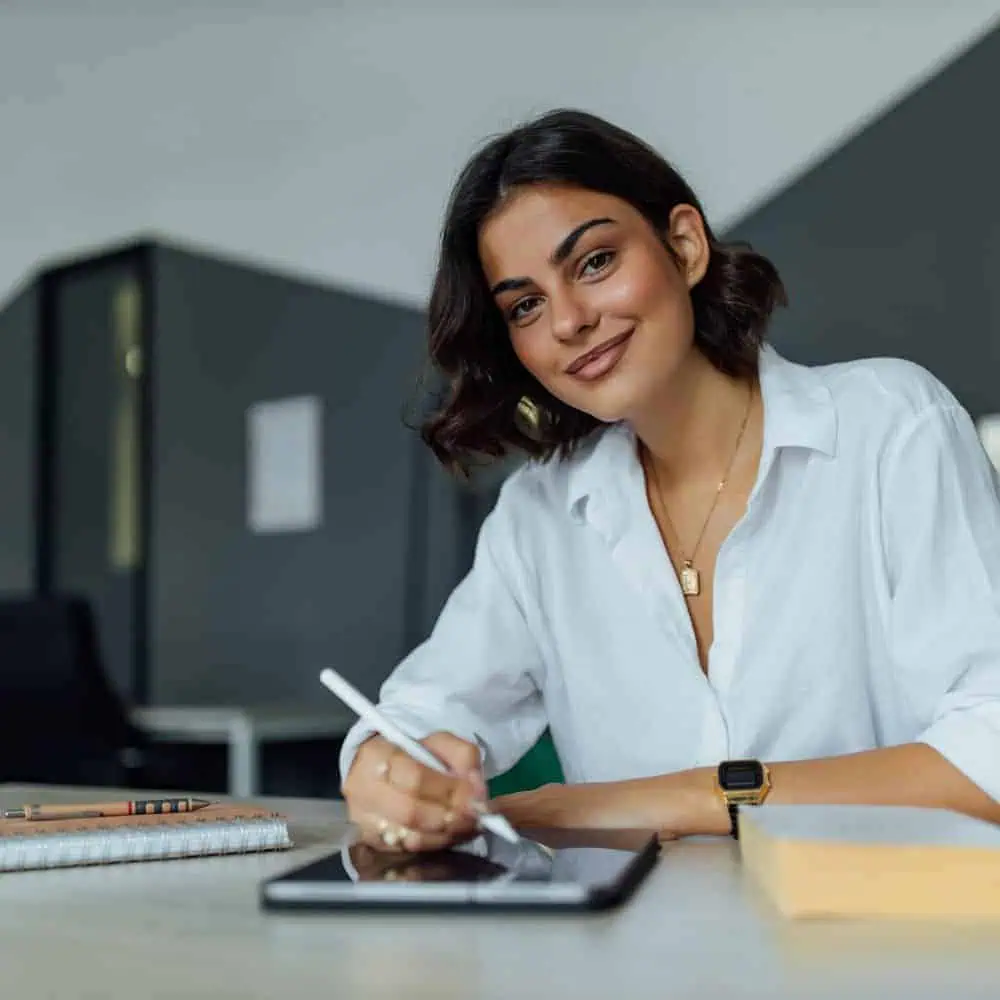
(400, 805)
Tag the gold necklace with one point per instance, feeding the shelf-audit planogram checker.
(690, 578)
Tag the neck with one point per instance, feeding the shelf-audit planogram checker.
(690, 429)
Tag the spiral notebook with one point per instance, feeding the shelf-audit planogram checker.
(216, 829)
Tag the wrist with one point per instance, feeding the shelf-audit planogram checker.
(701, 809)
(545, 806)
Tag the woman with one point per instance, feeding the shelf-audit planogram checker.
(722, 575)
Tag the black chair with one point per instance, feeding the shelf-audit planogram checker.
(61, 722)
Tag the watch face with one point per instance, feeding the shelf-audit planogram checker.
(737, 775)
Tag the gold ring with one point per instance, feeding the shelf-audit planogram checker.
(390, 835)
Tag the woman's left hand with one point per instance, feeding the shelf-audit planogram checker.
(673, 805)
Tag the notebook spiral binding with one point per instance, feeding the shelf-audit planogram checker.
(146, 843)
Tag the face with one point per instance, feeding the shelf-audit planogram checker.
(597, 309)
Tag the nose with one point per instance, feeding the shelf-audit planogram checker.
(570, 316)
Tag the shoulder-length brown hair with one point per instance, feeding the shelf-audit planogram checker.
(469, 344)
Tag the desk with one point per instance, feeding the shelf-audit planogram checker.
(243, 729)
(193, 929)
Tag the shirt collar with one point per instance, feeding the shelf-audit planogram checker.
(798, 406)
(798, 413)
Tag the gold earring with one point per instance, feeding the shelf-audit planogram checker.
(530, 414)
(528, 409)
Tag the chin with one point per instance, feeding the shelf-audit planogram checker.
(610, 403)
(608, 416)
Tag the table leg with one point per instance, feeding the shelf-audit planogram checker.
(244, 759)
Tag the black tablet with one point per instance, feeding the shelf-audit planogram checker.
(549, 870)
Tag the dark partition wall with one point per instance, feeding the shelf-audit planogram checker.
(18, 372)
(892, 245)
(96, 543)
(239, 616)
(137, 495)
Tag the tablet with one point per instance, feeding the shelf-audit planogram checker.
(548, 870)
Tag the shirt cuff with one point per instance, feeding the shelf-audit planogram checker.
(970, 740)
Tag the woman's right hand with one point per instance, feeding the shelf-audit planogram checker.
(400, 805)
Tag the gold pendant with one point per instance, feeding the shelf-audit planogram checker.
(690, 581)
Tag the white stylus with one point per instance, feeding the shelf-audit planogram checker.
(355, 700)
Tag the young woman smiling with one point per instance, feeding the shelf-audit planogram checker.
(721, 577)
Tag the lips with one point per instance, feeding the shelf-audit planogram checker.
(585, 362)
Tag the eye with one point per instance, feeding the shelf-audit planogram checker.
(596, 262)
(521, 308)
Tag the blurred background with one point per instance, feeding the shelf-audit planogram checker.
(218, 223)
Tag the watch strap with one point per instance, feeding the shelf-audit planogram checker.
(734, 812)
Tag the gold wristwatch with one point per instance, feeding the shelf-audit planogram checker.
(742, 783)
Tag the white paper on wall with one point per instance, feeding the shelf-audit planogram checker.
(284, 465)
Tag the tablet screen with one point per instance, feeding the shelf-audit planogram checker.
(558, 868)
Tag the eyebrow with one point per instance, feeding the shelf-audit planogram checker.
(557, 257)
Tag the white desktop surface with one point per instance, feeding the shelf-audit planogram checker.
(696, 928)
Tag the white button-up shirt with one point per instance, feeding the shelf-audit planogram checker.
(856, 602)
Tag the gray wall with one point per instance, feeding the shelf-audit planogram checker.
(18, 324)
(892, 245)
(237, 616)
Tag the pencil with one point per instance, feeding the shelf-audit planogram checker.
(88, 810)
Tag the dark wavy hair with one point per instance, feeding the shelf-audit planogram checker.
(476, 416)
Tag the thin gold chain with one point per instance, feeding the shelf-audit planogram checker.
(689, 560)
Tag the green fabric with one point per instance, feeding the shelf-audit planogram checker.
(539, 766)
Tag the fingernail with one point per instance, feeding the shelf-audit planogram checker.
(475, 808)
(478, 786)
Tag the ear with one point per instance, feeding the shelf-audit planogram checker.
(687, 238)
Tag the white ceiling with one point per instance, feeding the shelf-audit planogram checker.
(323, 138)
